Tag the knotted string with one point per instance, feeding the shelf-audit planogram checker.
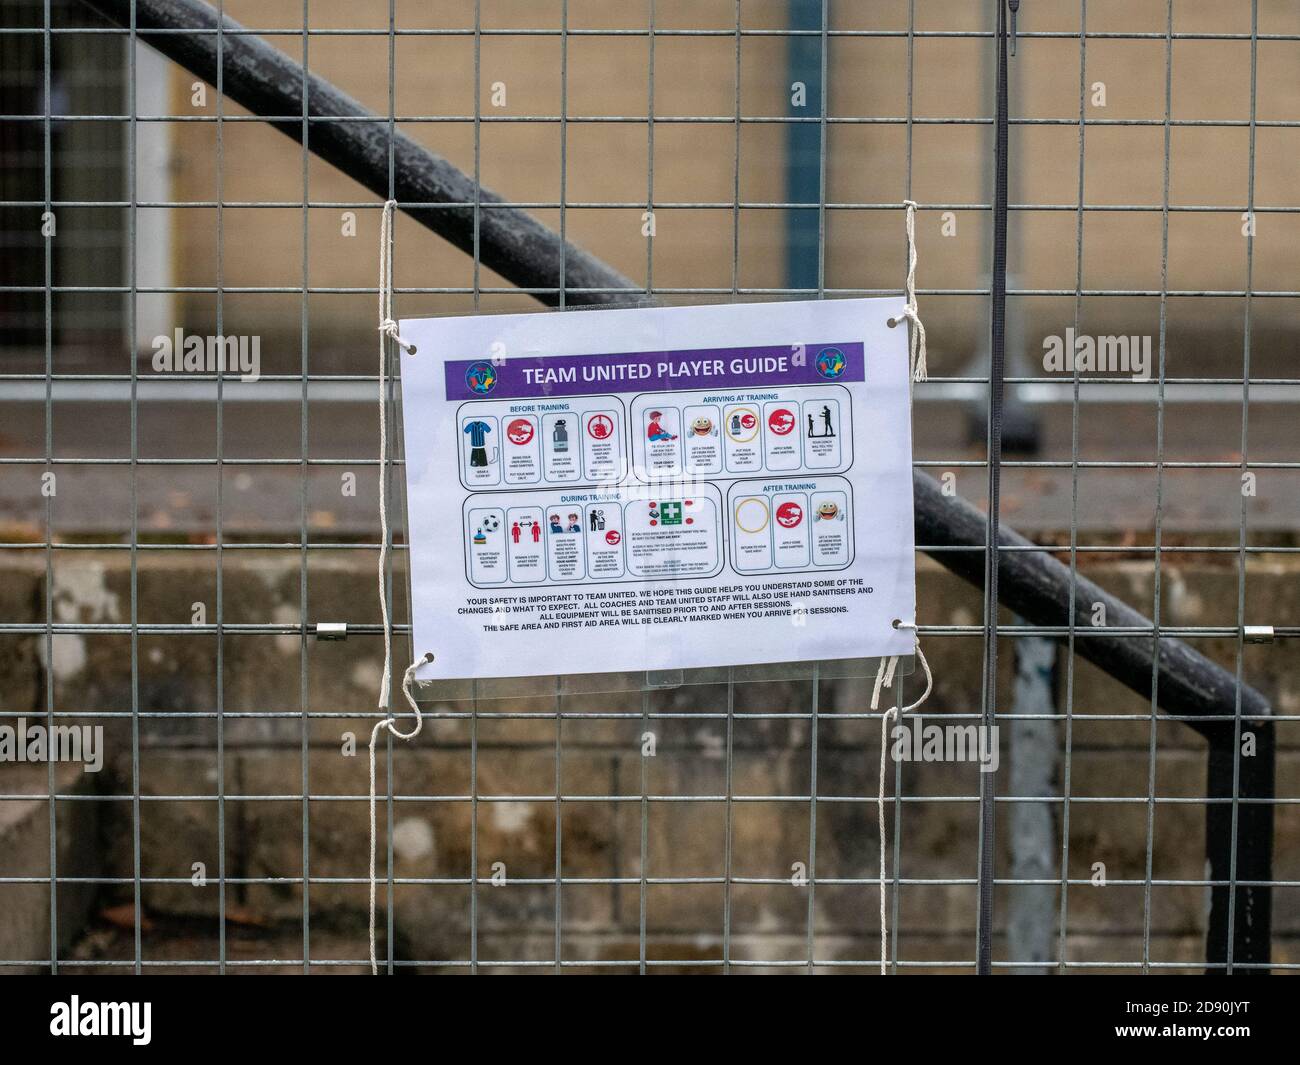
(916, 335)
(885, 671)
(389, 723)
(387, 328)
(885, 678)
(387, 325)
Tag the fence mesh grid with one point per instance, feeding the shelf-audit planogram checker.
(747, 841)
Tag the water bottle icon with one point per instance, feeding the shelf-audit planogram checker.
(560, 436)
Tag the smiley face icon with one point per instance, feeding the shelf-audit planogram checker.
(829, 510)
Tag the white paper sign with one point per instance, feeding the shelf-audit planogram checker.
(666, 488)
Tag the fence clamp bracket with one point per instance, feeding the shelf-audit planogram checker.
(331, 630)
(1258, 633)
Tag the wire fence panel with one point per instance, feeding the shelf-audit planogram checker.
(189, 556)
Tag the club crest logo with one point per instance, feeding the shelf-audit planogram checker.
(481, 378)
(830, 363)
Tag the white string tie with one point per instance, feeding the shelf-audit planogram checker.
(387, 324)
(389, 723)
(916, 335)
(885, 679)
(387, 328)
(885, 671)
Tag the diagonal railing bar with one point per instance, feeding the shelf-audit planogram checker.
(1032, 583)
(1037, 586)
(267, 82)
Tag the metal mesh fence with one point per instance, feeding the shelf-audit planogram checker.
(174, 541)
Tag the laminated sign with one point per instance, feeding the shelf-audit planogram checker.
(666, 488)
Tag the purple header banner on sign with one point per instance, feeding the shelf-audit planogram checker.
(721, 369)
